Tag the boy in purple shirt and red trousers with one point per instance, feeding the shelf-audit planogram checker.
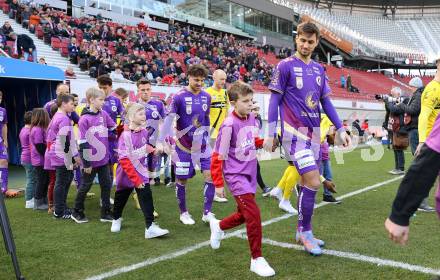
(94, 127)
(235, 159)
(191, 106)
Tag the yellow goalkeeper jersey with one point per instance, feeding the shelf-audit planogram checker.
(430, 107)
(219, 109)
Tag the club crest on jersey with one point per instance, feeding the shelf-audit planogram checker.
(205, 107)
(154, 114)
(114, 108)
(299, 82)
(318, 80)
(310, 102)
(309, 71)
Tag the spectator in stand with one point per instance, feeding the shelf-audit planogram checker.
(117, 76)
(104, 68)
(7, 29)
(34, 20)
(24, 46)
(349, 82)
(343, 81)
(69, 73)
(42, 60)
(73, 51)
(13, 9)
(25, 16)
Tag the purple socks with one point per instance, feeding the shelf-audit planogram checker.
(4, 179)
(181, 197)
(306, 203)
(209, 192)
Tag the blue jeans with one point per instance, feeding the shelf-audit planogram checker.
(167, 173)
(399, 160)
(30, 181)
(413, 140)
(34, 55)
(326, 171)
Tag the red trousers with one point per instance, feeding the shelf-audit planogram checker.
(51, 187)
(249, 213)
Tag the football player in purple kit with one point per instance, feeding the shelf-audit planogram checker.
(155, 112)
(298, 85)
(191, 107)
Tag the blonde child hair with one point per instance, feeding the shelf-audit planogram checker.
(94, 92)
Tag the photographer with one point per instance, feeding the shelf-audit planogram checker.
(394, 123)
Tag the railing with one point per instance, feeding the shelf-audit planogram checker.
(4, 53)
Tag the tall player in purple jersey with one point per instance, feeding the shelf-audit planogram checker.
(155, 112)
(115, 109)
(4, 149)
(191, 107)
(298, 85)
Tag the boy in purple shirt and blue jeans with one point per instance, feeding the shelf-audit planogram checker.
(94, 126)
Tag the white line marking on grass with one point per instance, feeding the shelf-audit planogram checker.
(358, 257)
(235, 233)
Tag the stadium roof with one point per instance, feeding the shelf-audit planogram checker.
(381, 3)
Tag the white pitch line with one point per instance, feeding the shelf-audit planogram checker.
(235, 233)
(357, 257)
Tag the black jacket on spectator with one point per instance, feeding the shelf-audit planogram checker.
(396, 110)
(412, 108)
(24, 43)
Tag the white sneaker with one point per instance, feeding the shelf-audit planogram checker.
(277, 193)
(116, 225)
(287, 207)
(220, 199)
(29, 204)
(155, 231)
(261, 267)
(216, 233)
(112, 201)
(208, 217)
(186, 219)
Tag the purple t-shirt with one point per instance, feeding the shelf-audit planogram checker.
(155, 112)
(192, 112)
(59, 128)
(433, 140)
(94, 130)
(302, 87)
(37, 136)
(25, 145)
(134, 146)
(113, 107)
(236, 144)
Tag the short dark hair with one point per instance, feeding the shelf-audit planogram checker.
(74, 94)
(27, 117)
(63, 98)
(238, 89)
(104, 80)
(308, 28)
(143, 82)
(197, 70)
